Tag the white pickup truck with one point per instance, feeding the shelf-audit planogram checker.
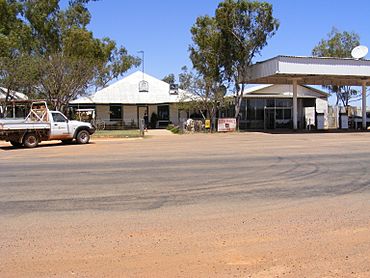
(41, 124)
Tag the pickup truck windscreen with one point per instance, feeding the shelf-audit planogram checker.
(59, 118)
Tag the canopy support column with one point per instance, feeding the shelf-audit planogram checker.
(295, 105)
(364, 104)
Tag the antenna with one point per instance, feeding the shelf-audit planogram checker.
(143, 85)
(142, 61)
(359, 52)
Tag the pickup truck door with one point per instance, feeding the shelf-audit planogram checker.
(59, 127)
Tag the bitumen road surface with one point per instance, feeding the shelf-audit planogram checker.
(247, 196)
(148, 174)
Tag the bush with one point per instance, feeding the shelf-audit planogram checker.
(153, 120)
(175, 129)
(170, 126)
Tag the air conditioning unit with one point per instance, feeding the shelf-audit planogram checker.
(174, 89)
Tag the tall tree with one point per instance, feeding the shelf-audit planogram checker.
(116, 63)
(224, 45)
(199, 96)
(205, 57)
(67, 58)
(16, 67)
(338, 44)
(170, 78)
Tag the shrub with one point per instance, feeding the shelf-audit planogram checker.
(153, 120)
(170, 126)
(175, 129)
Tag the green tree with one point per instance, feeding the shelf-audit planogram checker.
(338, 44)
(74, 60)
(16, 68)
(117, 61)
(170, 78)
(67, 59)
(224, 45)
(198, 95)
(204, 54)
(11, 28)
(63, 78)
(16, 74)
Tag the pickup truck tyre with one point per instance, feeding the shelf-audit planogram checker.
(15, 143)
(83, 137)
(30, 140)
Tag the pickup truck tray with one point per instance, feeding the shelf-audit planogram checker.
(7, 125)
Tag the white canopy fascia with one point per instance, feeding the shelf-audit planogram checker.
(309, 71)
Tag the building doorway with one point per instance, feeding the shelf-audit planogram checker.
(278, 117)
(141, 112)
(163, 115)
(269, 118)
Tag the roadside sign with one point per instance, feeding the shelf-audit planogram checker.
(226, 125)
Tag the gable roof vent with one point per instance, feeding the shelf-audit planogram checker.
(143, 86)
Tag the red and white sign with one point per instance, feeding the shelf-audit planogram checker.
(226, 125)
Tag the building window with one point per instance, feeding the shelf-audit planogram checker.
(281, 102)
(115, 112)
(163, 113)
(270, 102)
(255, 113)
(283, 117)
(268, 113)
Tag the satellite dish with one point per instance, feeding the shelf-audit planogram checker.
(359, 52)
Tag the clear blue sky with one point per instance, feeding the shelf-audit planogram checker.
(162, 27)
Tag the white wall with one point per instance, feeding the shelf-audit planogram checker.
(102, 112)
(322, 107)
(174, 114)
(152, 108)
(129, 114)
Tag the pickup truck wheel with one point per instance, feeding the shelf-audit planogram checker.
(15, 143)
(30, 140)
(83, 137)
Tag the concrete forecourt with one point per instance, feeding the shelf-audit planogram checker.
(221, 205)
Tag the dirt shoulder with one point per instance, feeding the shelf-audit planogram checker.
(321, 238)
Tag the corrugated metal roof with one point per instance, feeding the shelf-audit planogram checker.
(126, 91)
(312, 57)
(283, 90)
(256, 88)
(13, 95)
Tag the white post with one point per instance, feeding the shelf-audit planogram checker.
(363, 104)
(295, 106)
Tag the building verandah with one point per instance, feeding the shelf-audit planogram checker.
(271, 107)
(311, 71)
